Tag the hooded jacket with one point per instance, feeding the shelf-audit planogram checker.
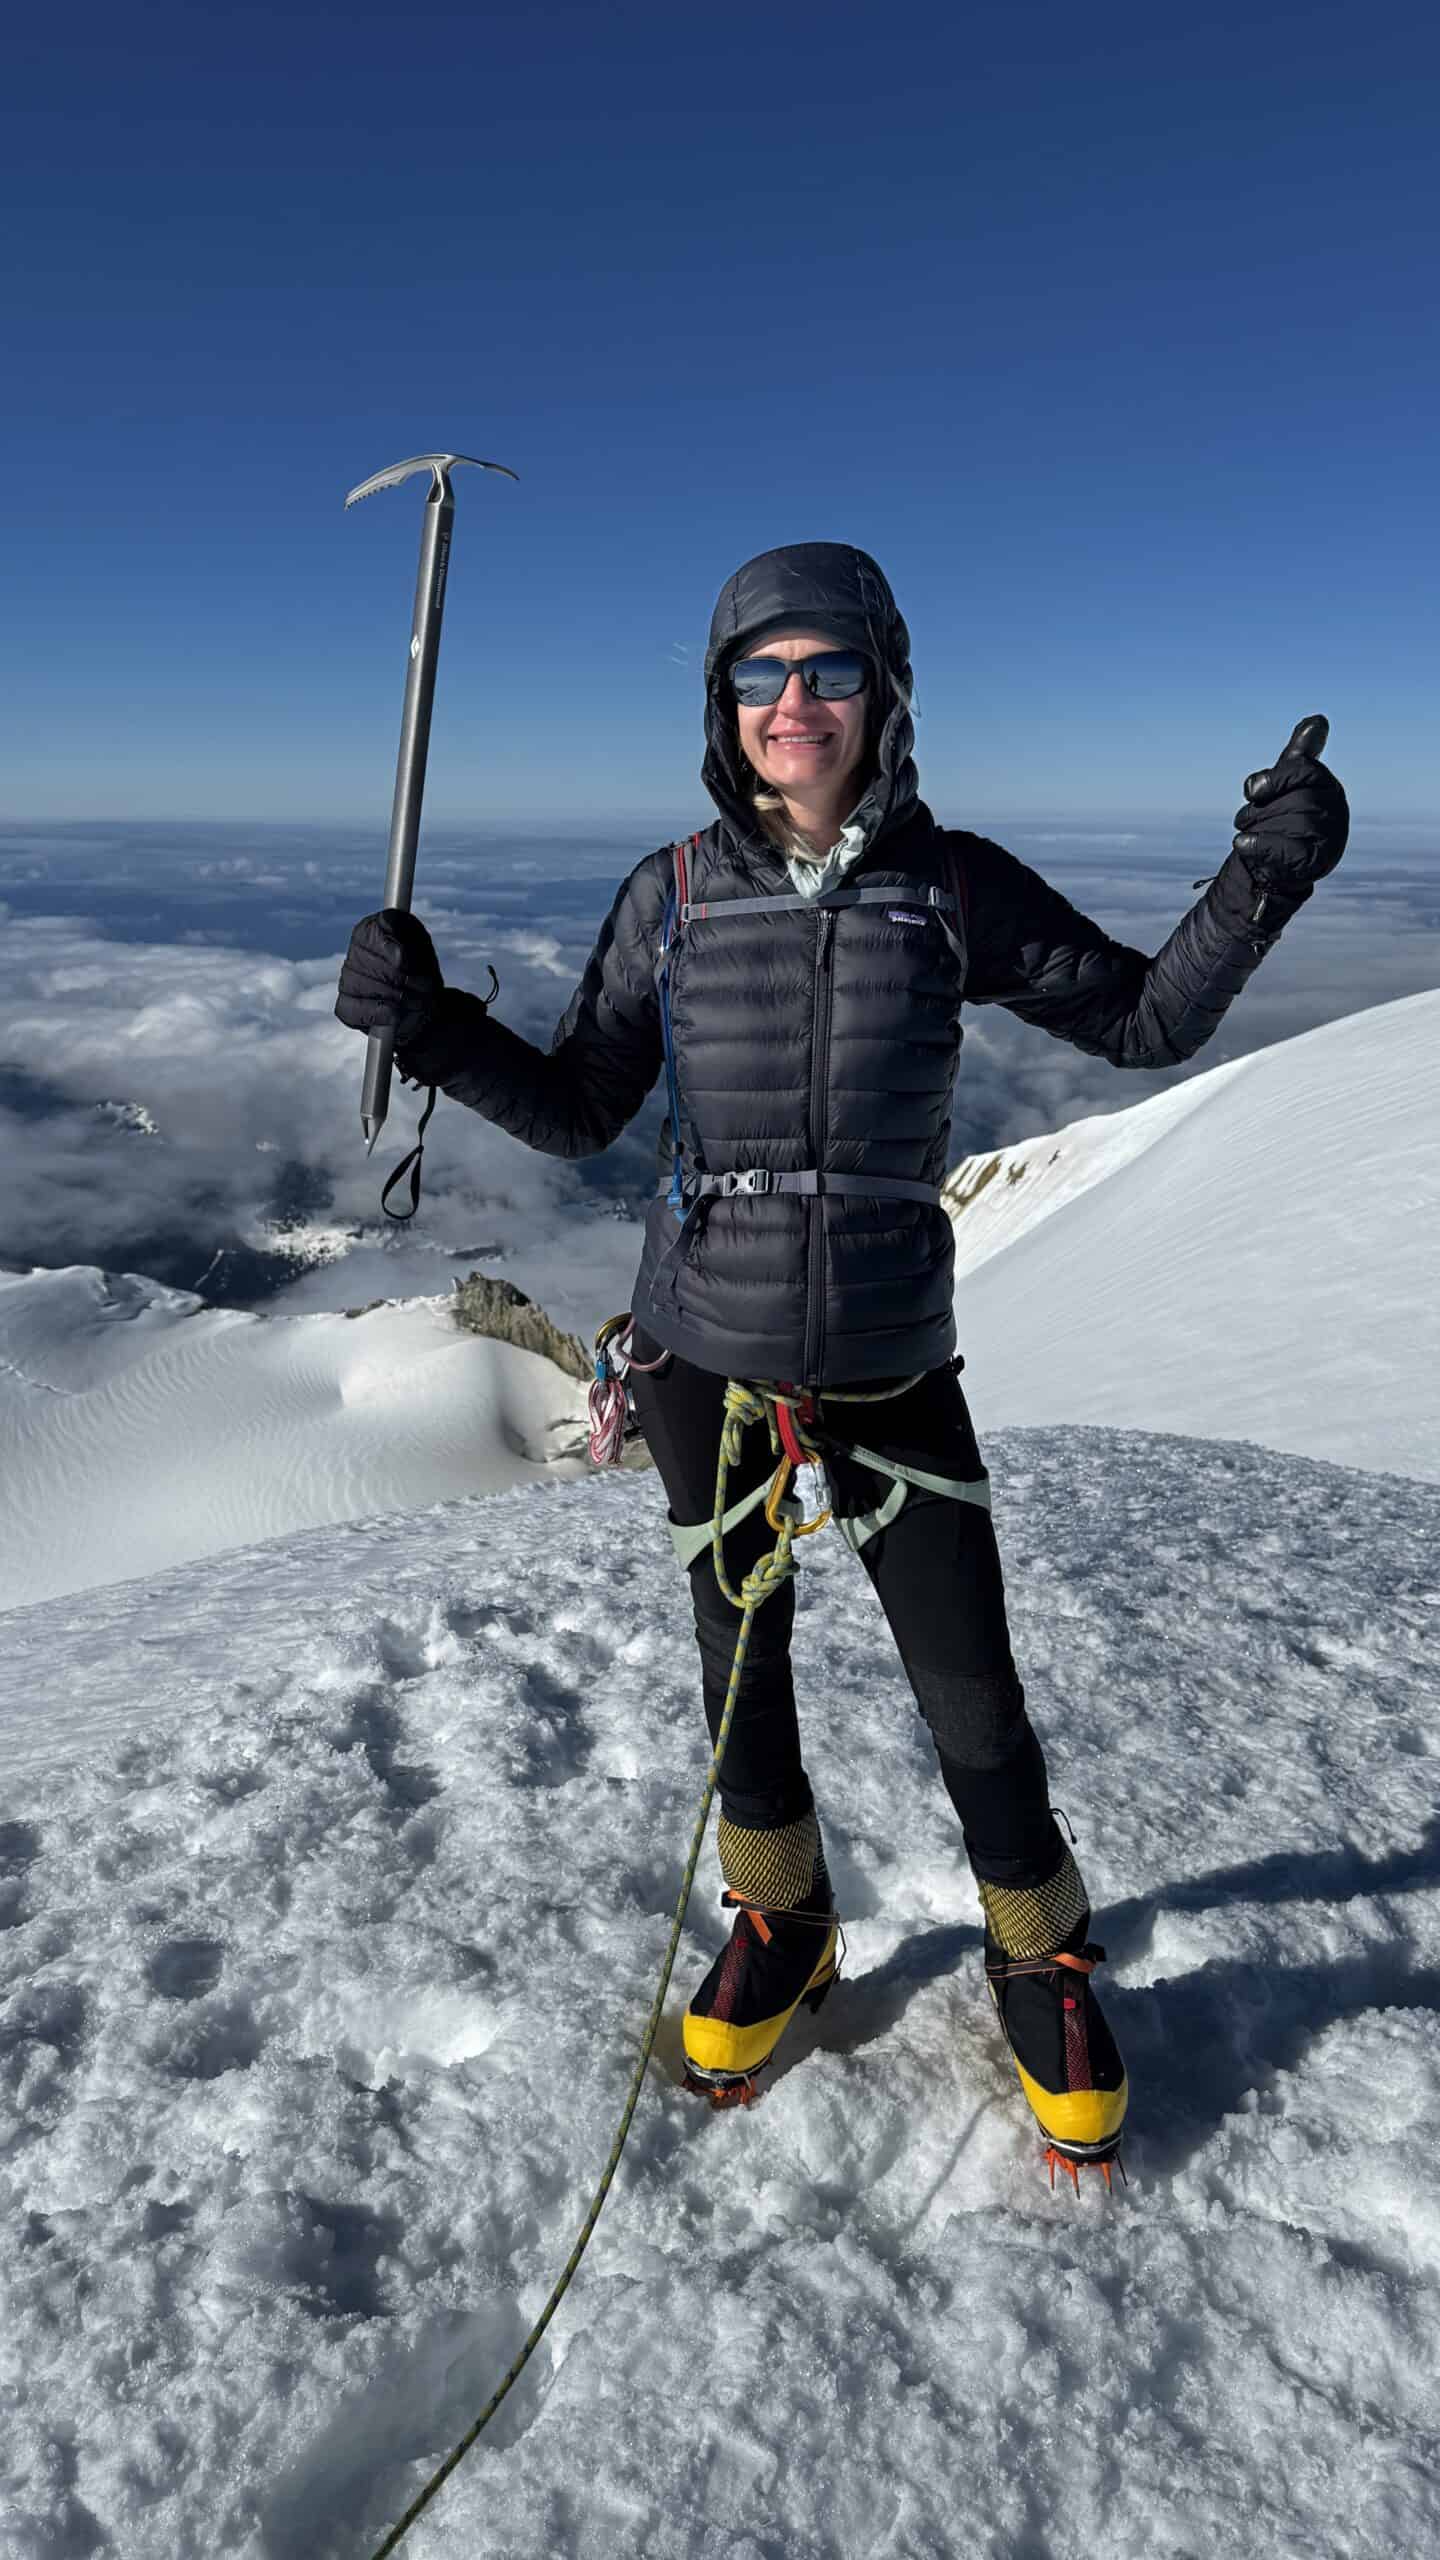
(816, 1040)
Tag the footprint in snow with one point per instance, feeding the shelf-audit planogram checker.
(45, 2013)
(206, 2042)
(185, 1968)
(232, 1785)
(19, 1849)
(331, 2253)
(376, 1728)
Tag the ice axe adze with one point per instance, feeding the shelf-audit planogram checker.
(414, 724)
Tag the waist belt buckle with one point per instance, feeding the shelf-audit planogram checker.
(753, 1183)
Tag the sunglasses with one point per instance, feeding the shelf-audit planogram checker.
(832, 675)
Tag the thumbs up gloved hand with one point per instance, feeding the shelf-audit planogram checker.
(390, 977)
(1296, 819)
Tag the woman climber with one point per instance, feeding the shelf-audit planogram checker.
(797, 973)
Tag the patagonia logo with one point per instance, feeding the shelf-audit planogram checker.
(902, 915)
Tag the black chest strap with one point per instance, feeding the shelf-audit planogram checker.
(756, 1182)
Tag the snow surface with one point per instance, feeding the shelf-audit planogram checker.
(336, 1871)
(335, 1876)
(141, 1427)
(1251, 1256)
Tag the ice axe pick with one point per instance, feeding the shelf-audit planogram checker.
(414, 723)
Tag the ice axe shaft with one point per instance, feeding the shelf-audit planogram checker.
(410, 764)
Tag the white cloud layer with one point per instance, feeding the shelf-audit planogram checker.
(189, 975)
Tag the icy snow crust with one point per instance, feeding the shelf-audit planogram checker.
(336, 1876)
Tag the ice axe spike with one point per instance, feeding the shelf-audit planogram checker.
(414, 722)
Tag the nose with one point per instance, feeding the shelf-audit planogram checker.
(796, 696)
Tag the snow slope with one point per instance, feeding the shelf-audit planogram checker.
(335, 1873)
(334, 1880)
(1252, 1255)
(140, 1427)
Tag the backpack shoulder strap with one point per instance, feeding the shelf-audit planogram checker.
(672, 922)
(682, 852)
(670, 932)
(958, 880)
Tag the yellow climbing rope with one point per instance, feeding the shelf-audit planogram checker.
(744, 1407)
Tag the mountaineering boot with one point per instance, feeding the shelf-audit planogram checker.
(1038, 1964)
(781, 1951)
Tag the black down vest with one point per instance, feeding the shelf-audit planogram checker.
(817, 1042)
(815, 1045)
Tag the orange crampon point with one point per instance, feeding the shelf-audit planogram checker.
(730, 2093)
(1061, 2160)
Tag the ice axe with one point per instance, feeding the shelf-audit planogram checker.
(414, 724)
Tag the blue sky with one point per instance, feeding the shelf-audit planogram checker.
(1109, 332)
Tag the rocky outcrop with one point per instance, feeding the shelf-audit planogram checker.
(503, 1312)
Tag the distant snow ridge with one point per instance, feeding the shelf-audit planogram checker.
(335, 1876)
(1251, 1255)
(141, 1427)
(995, 1198)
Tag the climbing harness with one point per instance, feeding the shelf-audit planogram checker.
(856, 1528)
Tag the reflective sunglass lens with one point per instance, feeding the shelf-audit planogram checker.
(758, 680)
(835, 674)
(832, 675)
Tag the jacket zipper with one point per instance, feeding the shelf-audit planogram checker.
(819, 1087)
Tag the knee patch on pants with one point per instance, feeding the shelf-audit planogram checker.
(778, 1869)
(977, 1718)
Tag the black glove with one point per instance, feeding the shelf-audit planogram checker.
(390, 977)
(1296, 817)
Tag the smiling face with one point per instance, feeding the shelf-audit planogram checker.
(806, 750)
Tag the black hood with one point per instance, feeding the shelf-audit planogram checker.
(823, 586)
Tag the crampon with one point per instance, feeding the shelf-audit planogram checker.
(739, 2088)
(1063, 2052)
(1056, 2159)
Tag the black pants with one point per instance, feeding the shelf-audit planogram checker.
(936, 1571)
